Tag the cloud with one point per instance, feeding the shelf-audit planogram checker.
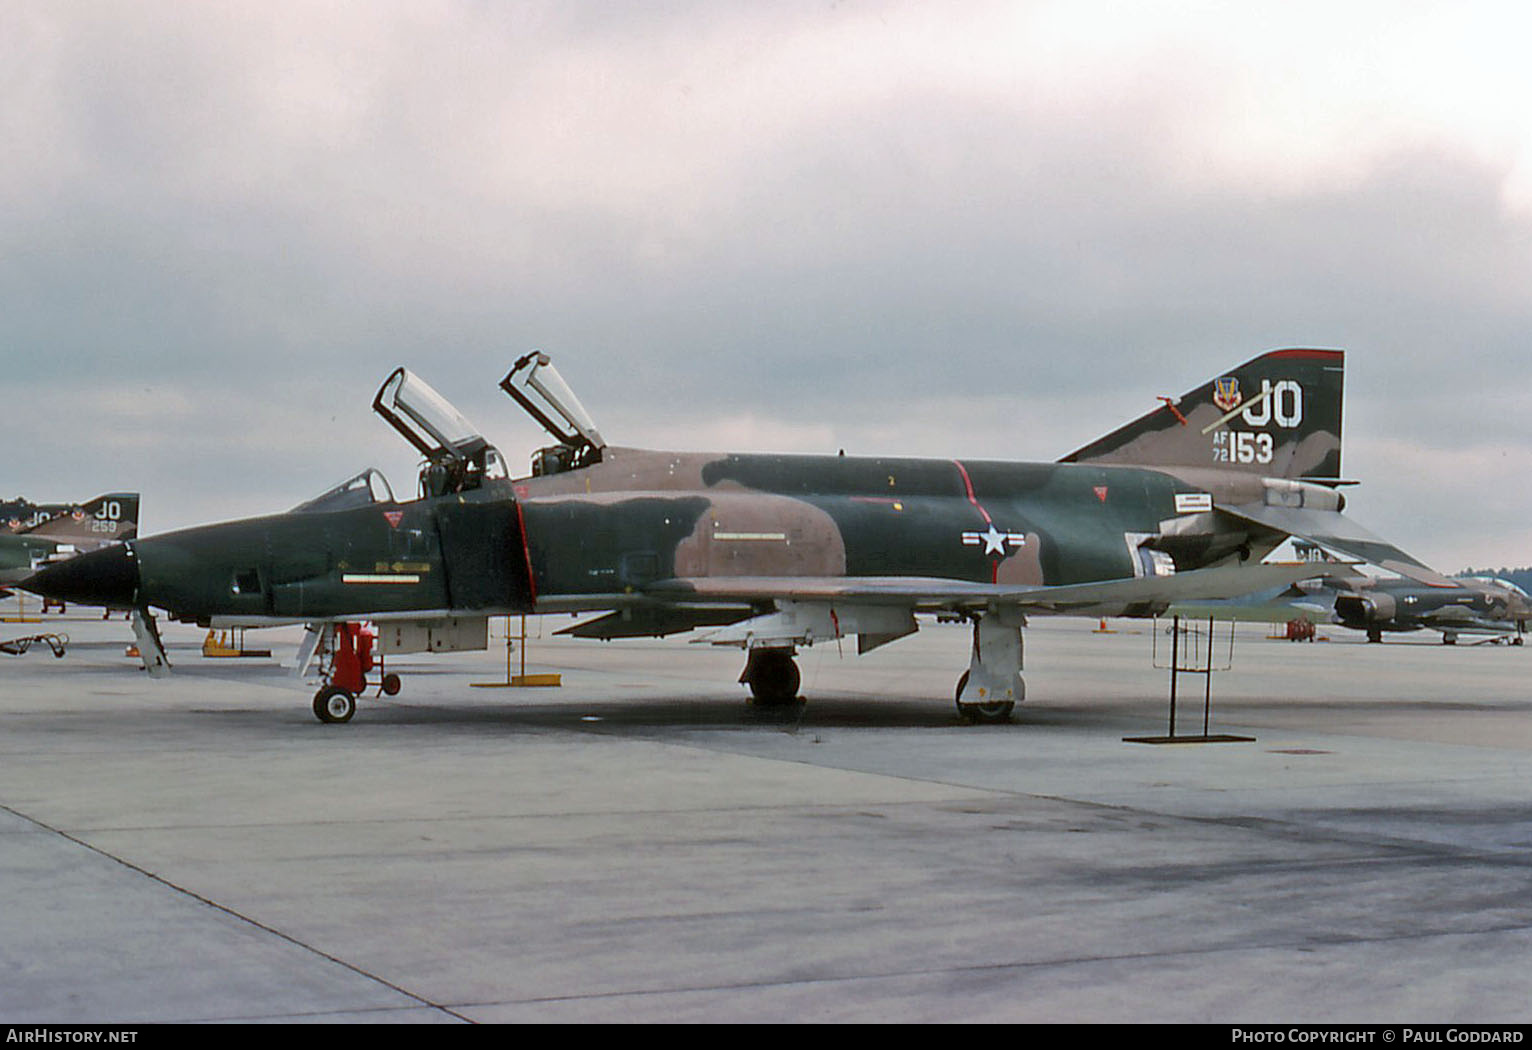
(992, 230)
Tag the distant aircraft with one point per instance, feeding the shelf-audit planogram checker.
(1467, 605)
(34, 535)
(774, 552)
(20, 514)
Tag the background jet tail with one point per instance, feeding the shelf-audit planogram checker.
(1277, 415)
(105, 519)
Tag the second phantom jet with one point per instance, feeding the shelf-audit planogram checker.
(33, 535)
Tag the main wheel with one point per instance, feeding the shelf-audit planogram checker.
(774, 677)
(991, 713)
(334, 704)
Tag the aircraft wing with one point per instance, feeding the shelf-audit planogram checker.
(1335, 531)
(1267, 607)
(880, 609)
(938, 593)
(1457, 618)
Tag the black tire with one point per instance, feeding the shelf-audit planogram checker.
(774, 678)
(997, 712)
(332, 704)
(391, 684)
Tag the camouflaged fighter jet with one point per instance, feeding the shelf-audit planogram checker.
(773, 552)
(1474, 605)
(33, 535)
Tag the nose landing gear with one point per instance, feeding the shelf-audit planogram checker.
(334, 704)
(346, 678)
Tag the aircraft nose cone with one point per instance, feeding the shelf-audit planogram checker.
(106, 577)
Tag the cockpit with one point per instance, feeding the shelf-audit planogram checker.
(366, 488)
(538, 388)
(457, 458)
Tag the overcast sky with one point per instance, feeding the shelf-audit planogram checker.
(947, 229)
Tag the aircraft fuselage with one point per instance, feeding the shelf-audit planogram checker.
(596, 537)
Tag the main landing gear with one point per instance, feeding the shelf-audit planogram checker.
(772, 676)
(986, 694)
(346, 678)
(991, 712)
(992, 686)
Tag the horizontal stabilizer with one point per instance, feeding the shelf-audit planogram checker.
(1335, 531)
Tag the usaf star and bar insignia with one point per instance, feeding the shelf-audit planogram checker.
(994, 541)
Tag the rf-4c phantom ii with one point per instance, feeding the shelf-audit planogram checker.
(772, 552)
(33, 535)
(1473, 605)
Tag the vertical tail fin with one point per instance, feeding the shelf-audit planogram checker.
(105, 519)
(1277, 415)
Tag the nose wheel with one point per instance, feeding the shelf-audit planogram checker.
(345, 678)
(333, 704)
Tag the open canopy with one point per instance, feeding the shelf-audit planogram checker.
(537, 387)
(457, 456)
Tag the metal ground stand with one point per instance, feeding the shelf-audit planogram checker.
(522, 680)
(1195, 657)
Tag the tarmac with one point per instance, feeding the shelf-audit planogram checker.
(641, 845)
